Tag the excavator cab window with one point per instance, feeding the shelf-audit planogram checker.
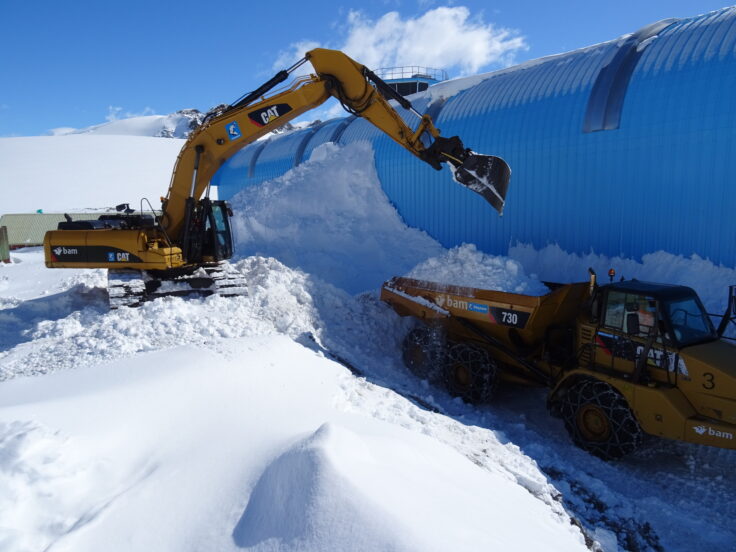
(207, 233)
(219, 233)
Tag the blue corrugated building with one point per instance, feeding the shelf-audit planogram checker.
(623, 148)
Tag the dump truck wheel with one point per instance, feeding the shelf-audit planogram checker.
(599, 420)
(470, 373)
(424, 351)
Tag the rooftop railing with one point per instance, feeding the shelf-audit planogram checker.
(411, 72)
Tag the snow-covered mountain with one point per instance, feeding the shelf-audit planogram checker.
(174, 125)
(285, 419)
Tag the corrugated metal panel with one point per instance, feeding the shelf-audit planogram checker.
(323, 134)
(661, 180)
(234, 175)
(278, 155)
(612, 191)
(359, 129)
(28, 229)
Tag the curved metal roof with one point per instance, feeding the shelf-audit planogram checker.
(624, 148)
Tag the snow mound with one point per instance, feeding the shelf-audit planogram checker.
(330, 217)
(259, 446)
(466, 266)
(299, 498)
(339, 490)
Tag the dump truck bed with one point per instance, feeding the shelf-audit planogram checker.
(511, 317)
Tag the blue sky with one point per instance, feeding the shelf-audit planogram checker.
(76, 63)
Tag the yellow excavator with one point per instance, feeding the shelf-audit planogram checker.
(180, 251)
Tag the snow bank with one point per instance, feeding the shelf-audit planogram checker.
(58, 173)
(709, 280)
(466, 266)
(45, 483)
(330, 217)
(74, 328)
(252, 447)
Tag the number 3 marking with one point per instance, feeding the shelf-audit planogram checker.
(709, 381)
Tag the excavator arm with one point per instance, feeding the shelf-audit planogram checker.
(337, 75)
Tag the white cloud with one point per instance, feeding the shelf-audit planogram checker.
(294, 53)
(61, 131)
(115, 113)
(445, 37)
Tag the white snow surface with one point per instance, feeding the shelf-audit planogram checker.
(219, 424)
(76, 172)
(466, 266)
(284, 419)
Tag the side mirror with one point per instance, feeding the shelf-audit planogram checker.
(632, 323)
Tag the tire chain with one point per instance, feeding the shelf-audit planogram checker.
(625, 435)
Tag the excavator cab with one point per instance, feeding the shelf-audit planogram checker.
(207, 234)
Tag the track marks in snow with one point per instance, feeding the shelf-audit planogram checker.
(481, 445)
(50, 488)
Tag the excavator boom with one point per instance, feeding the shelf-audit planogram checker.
(339, 76)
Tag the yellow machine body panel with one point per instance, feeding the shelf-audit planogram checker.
(665, 411)
(710, 379)
(112, 249)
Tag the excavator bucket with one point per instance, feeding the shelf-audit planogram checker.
(486, 175)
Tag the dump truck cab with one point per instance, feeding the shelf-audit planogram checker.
(656, 344)
(634, 318)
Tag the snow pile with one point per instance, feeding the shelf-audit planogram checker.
(710, 281)
(330, 217)
(466, 266)
(73, 328)
(58, 173)
(378, 484)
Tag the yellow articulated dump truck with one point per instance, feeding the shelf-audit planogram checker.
(619, 360)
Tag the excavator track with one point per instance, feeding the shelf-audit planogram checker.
(131, 288)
